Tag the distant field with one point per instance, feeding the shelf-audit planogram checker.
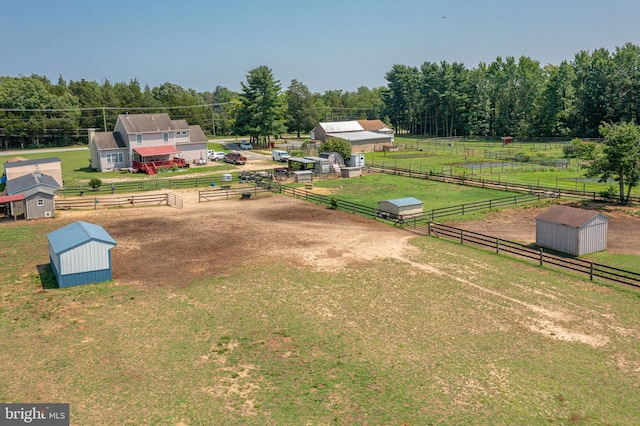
(276, 311)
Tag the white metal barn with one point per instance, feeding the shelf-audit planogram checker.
(80, 253)
(401, 207)
(571, 230)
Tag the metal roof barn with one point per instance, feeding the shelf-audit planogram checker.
(571, 230)
(401, 207)
(80, 253)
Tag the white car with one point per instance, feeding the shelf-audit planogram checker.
(215, 156)
(245, 145)
(281, 156)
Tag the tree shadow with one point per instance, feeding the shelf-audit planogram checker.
(47, 277)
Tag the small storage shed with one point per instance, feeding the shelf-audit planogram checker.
(571, 230)
(303, 176)
(320, 165)
(356, 160)
(80, 253)
(401, 207)
(348, 172)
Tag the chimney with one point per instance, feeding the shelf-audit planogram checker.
(37, 173)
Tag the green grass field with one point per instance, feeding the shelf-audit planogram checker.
(454, 335)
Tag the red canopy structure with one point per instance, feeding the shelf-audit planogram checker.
(156, 150)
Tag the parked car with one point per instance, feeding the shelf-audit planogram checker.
(235, 158)
(281, 156)
(245, 145)
(215, 156)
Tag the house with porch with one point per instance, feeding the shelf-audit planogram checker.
(147, 142)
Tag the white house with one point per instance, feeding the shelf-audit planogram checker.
(147, 142)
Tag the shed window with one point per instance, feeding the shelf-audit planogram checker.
(165, 137)
(40, 202)
(139, 139)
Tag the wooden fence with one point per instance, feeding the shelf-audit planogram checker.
(492, 184)
(414, 220)
(227, 192)
(424, 225)
(118, 201)
(538, 255)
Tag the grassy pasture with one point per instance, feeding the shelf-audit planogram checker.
(450, 335)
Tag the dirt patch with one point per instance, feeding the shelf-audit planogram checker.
(519, 225)
(168, 246)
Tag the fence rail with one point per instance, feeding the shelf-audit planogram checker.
(413, 220)
(580, 266)
(424, 225)
(228, 192)
(492, 184)
(118, 201)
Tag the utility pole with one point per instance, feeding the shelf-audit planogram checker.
(104, 119)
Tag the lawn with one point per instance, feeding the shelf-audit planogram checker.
(447, 335)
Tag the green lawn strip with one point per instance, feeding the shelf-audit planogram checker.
(369, 190)
(382, 343)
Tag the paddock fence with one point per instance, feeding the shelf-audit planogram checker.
(535, 254)
(425, 225)
(228, 192)
(85, 203)
(492, 184)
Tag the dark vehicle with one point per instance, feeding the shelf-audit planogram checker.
(235, 158)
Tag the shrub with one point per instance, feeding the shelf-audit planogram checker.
(611, 193)
(333, 203)
(95, 183)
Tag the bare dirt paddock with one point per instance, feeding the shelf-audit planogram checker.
(623, 234)
(168, 246)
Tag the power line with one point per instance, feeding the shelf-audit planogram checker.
(109, 108)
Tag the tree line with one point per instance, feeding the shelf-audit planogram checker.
(511, 97)
(516, 97)
(35, 112)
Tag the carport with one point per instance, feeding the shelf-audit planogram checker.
(12, 205)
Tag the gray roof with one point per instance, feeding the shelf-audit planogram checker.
(569, 216)
(38, 190)
(144, 123)
(108, 140)
(32, 180)
(196, 135)
(404, 202)
(76, 234)
(360, 136)
(8, 165)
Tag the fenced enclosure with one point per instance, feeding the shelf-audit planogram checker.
(119, 201)
(425, 225)
(552, 191)
(538, 255)
(227, 192)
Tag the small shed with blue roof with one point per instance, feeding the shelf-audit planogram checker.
(400, 208)
(80, 253)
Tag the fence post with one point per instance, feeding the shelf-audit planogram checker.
(591, 271)
(497, 245)
(541, 257)
(461, 236)
(429, 228)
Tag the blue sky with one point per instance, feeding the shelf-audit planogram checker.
(326, 45)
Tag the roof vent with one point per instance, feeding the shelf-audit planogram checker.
(37, 173)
